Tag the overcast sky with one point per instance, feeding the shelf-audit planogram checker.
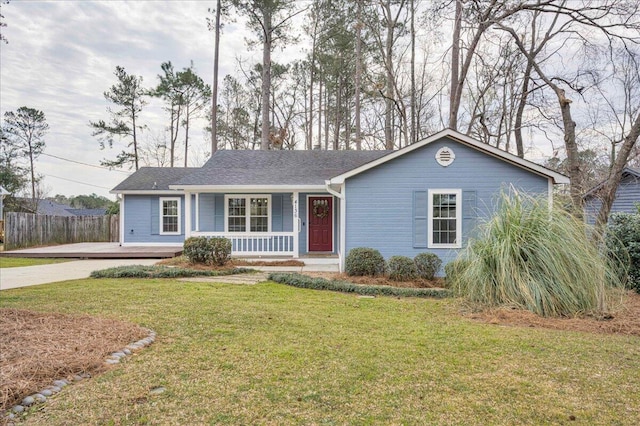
(61, 57)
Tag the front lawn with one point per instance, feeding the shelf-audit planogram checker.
(273, 354)
(16, 262)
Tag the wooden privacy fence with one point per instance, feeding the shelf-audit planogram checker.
(29, 230)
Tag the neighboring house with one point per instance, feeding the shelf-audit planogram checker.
(425, 197)
(627, 196)
(3, 193)
(52, 208)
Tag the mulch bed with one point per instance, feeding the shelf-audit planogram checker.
(39, 348)
(625, 319)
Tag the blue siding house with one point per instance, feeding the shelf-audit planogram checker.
(627, 196)
(428, 196)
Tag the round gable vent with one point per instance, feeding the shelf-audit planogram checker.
(445, 156)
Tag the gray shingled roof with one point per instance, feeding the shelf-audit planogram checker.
(626, 171)
(153, 178)
(276, 167)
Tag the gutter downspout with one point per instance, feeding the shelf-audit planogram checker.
(343, 219)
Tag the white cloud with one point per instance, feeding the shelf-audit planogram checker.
(61, 57)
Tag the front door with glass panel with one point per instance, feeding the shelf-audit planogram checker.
(320, 224)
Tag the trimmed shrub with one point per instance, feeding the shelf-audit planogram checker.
(153, 271)
(364, 261)
(220, 250)
(197, 250)
(303, 281)
(537, 259)
(427, 265)
(401, 268)
(216, 250)
(623, 240)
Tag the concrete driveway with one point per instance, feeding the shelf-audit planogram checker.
(44, 274)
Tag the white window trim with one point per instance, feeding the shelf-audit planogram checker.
(247, 216)
(458, 194)
(162, 200)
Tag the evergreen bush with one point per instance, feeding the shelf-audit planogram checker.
(362, 261)
(197, 250)
(156, 271)
(623, 241)
(220, 250)
(216, 250)
(401, 268)
(427, 265)
(303, 281)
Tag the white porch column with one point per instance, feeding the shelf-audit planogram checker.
(121, 219)
(295, 199)
(187, 215)
(197, 212)
(343, 226)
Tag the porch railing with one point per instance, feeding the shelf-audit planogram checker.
(252, 244)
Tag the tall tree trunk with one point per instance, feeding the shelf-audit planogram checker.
(135, 136)
(358, 74)
(413, 74)
(454, 102)
(338, 117)
(327, 108)
(389, 106)
(214, 89)
(266, 78)
(320, 114)
(522, 102)
(571, 147)
(186, 135)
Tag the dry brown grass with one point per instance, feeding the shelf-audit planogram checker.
(625, 320)
(38, 348)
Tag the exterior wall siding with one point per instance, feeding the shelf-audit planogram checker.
(142, 217)
(380, 202)
(142, 221)
(627, 195)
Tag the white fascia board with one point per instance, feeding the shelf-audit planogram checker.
(147, 192)
(249, 188)
(464, 139)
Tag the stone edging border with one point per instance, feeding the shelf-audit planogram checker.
(58, 385)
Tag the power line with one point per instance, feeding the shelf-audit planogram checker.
(75, 181)
(85, 164)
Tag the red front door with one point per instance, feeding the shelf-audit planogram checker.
(320, 223)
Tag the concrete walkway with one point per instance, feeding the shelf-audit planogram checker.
(78, 269)
(44, 274)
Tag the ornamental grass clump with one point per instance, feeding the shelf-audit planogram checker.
(538, 259)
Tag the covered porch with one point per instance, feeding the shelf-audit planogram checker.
(280, 223)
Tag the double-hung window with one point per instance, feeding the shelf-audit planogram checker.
(445, 218)
(248, 213)
(169, 216)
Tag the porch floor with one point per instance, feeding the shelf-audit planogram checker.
(96, 251)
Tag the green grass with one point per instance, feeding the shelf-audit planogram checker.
(16, 262)
(274, 354)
